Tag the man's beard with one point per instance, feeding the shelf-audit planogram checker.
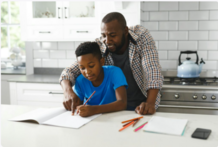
(120, 46)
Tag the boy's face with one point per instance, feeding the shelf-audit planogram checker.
(91, 67)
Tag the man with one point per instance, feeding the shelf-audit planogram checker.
(133, 50)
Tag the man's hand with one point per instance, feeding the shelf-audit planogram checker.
(145, 108)
(71, 100)
(85, 111)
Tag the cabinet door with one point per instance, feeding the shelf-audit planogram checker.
(44, 33)
(44, 12)
(81, 32)
(81, 12)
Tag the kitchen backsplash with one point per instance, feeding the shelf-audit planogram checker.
(175, 26)
(54, 54)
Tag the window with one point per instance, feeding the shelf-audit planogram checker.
(11, 36)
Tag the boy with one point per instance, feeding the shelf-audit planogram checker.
(109, 82)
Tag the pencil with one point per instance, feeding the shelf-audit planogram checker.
(132, 119)
(140, 127)
(87, 100)
(135, 122)
(126, 126)
(127, 123)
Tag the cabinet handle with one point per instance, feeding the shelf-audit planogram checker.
(82, 31)
(45, 32)
(65, 12)
(55, 92)
(58, 12)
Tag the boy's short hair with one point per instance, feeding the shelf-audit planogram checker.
(88, 48)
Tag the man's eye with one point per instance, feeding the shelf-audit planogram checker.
(113, 35)
(82, 68)
(103, 36)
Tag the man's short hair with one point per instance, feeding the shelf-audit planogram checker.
(115, 16)
(88, 48)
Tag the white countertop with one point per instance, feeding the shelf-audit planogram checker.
(102, 131)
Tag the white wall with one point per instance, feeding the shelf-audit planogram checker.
(54, 54)
(177, 26)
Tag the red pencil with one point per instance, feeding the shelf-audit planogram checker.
(87, 100)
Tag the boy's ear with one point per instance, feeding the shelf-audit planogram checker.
(102, 60)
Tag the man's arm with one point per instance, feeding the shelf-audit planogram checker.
(148, 107)
(119, 104)
(152, 70)
(67, 80)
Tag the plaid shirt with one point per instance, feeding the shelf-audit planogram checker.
(143, 57)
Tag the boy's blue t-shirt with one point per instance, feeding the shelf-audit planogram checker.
(104, 93)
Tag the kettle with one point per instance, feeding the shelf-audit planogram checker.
(189, 69)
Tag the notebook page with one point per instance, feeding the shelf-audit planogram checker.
(166, 125)
(40, 115)
(67, 120)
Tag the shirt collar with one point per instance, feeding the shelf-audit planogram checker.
(133, 37)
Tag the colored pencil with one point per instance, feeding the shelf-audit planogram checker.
(126, 126)
(132, 119)
(87, 100)
(127, 123)
(140, 127)
(135, 122)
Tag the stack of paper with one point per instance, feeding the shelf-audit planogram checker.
(165, 125)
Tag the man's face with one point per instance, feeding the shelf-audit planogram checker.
(90, 66)
(113, 35)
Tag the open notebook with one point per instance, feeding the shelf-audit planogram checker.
(165, 125)
(56, 117)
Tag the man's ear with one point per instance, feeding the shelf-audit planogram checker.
(126, 30)
(102, 60)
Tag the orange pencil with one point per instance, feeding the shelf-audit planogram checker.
(127, 123)
(135, 122)
(126, 126)
(132, 119)
(87, 100)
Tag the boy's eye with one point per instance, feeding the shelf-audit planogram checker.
(92, 66)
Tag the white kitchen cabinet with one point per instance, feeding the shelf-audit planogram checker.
(36, 94)
(49, 33)
(81, 12)
(43, 12)
(60, 20)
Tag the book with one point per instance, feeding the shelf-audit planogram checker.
(171, 126)
(55, 117)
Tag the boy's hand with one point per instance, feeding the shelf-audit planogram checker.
(85, 111)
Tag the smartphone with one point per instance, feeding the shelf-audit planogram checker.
(201, 133)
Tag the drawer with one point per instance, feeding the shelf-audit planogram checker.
(39, 92)
(81, 33)
(46, 33)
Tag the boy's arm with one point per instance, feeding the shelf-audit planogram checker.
(119, 104)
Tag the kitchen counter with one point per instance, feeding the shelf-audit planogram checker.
(37, 78)
(12, 71)
(102, 131)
